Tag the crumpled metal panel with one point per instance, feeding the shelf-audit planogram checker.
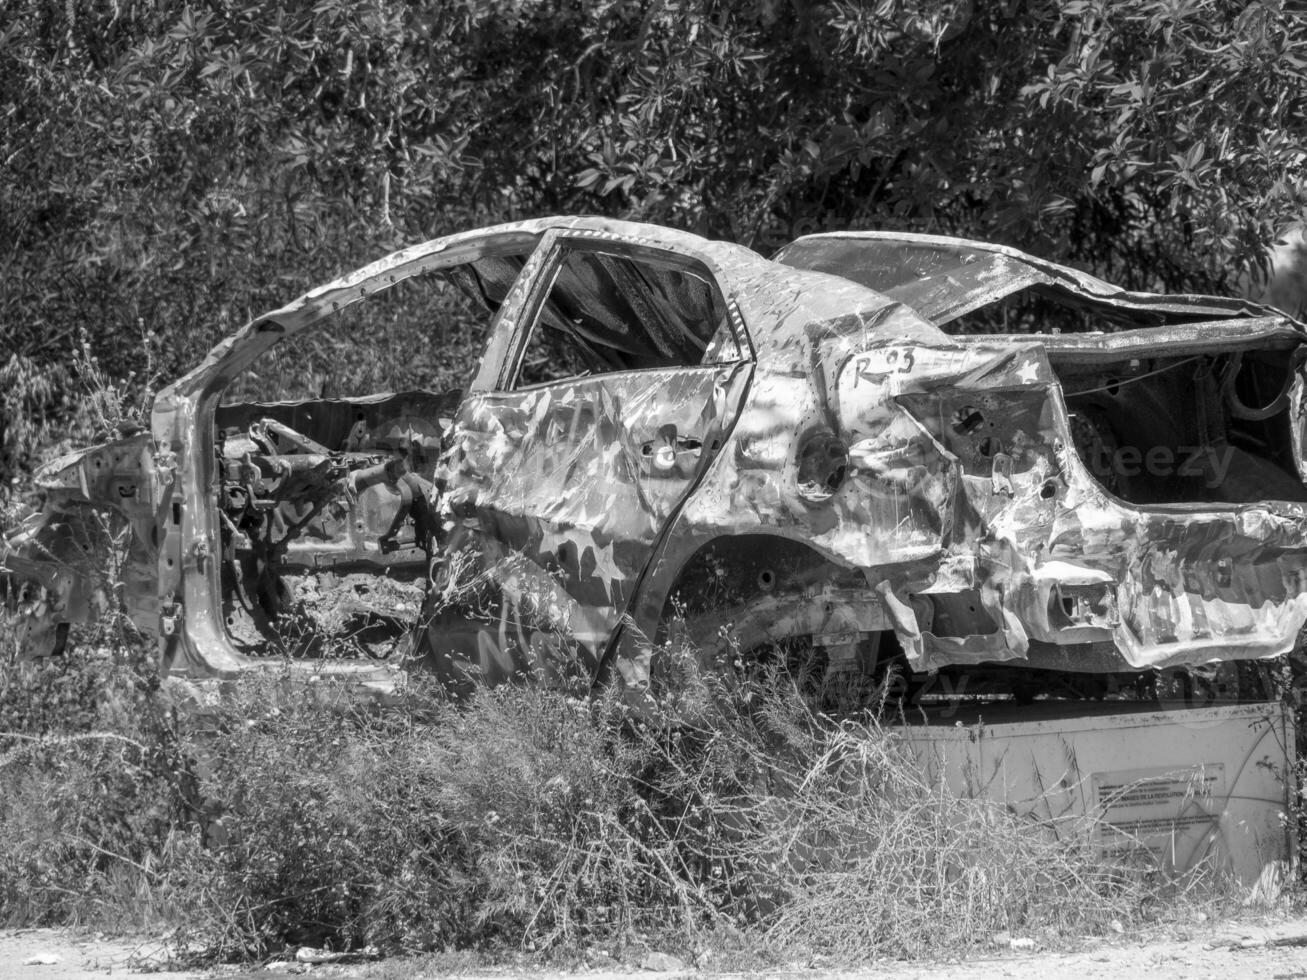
(576, 481)
(94, 527)
(945, 278)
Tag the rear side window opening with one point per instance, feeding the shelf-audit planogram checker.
(609, 311)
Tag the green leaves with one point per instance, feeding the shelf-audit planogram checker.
(188, 163)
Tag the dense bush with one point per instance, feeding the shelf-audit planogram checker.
(286, 812)
(507, 821)
(172, 168)
(96, 786)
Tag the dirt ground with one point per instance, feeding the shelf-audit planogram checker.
(1274, 949)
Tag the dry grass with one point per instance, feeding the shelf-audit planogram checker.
(829, 836)
(525, 819)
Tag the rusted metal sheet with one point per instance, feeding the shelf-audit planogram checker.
(664, 429)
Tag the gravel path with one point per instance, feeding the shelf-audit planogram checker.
(64, 954)
(1273, 950)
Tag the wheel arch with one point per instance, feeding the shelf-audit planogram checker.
(746, 590)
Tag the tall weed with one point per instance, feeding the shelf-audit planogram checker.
(520, 817)
(95, 785)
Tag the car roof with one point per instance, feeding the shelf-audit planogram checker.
(945, 278)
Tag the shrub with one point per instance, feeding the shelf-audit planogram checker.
(510, 819)
(95, 786)
(517, 818)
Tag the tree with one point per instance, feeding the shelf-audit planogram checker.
(168, 168)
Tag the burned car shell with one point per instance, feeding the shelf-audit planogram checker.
(846, 471)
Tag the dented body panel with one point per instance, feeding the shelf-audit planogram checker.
(97, 528)
(808, 448)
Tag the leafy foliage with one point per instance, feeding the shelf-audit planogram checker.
(181, 165)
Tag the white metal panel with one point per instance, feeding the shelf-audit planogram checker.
(1190, 784)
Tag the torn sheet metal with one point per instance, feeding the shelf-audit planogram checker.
(661, 425)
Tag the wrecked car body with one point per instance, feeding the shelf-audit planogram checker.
(940, 454)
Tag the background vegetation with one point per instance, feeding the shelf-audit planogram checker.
(170, 167)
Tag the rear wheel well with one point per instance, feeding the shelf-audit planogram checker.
(734, 581)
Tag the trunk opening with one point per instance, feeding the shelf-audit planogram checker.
(1196, 426)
